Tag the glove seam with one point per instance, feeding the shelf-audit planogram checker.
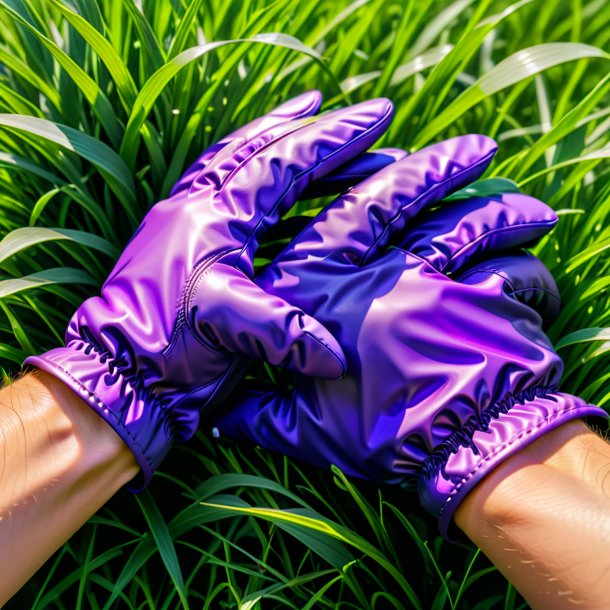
(457, 489)
(298, 176)
(436, 187)
(507, 280)
(312, 107)
(100, 405)
(190, 290)
(479, 238)
(220, 381)
(536, 289)
(329, 349)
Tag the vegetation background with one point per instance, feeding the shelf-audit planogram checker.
(103, 103)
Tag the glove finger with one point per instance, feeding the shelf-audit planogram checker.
(526, 279)
(235, 314)
(256, 185)
(345, 177)
(353, 172)
(301, 106)
(296, 423)
(461, 232)
(357, 226)
(265, 418)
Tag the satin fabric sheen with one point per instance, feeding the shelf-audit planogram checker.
(439, 313)
(169, 333)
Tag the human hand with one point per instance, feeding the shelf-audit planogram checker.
(167, 335)
(449, 370)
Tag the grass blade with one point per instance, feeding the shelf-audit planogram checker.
(160, 533)
(519, 66)
(110, 165)
(57, 275)
(26, 237)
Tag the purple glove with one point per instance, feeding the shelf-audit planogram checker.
(176, 316)
(449, 371)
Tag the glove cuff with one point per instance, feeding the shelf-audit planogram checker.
(451, 472)
(98, 380)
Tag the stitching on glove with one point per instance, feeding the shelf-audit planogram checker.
(379, 124)
(329, 349)
(479, 422)
(458, 253)
(546, 291)
(189, 292)
(507, 280)
(459, 486)
(222, 378)
(237, 143)
(436, 187)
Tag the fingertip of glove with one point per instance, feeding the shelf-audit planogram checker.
(488, 146)
(329, 361)
(373, 112)
(535, 210)
(380, 106)
(303, 105)
(372, 118)
(314, 98)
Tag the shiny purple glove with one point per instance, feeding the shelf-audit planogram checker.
(168, 335)
(449, 371)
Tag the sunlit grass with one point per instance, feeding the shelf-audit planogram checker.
(102, 104)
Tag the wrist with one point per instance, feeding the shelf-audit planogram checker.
(488, 440)
(73, 463)
(572, 450)
(578, 451)
(101, 383)
(75, 438)
(541, 520)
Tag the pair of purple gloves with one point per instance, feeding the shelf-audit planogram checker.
(415, 327)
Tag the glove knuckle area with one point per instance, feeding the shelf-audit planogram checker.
(232, 314)
(524, 278)
(464, 231)
(302, 150)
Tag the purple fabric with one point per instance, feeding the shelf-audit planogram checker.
(449, 371)
(168, 334)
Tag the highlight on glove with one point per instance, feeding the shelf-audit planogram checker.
(439, 312)
(179, 314)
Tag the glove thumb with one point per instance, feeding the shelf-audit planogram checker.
(231, 312)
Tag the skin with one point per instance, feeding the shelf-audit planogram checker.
(59, 463)
(543, 516)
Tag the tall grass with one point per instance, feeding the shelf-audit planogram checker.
(102, 104)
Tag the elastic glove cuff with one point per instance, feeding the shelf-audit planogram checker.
(443, 487)
(96, 379)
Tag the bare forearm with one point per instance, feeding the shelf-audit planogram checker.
(59, 463)
(543, 518)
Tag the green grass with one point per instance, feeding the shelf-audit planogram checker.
(102, 104)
